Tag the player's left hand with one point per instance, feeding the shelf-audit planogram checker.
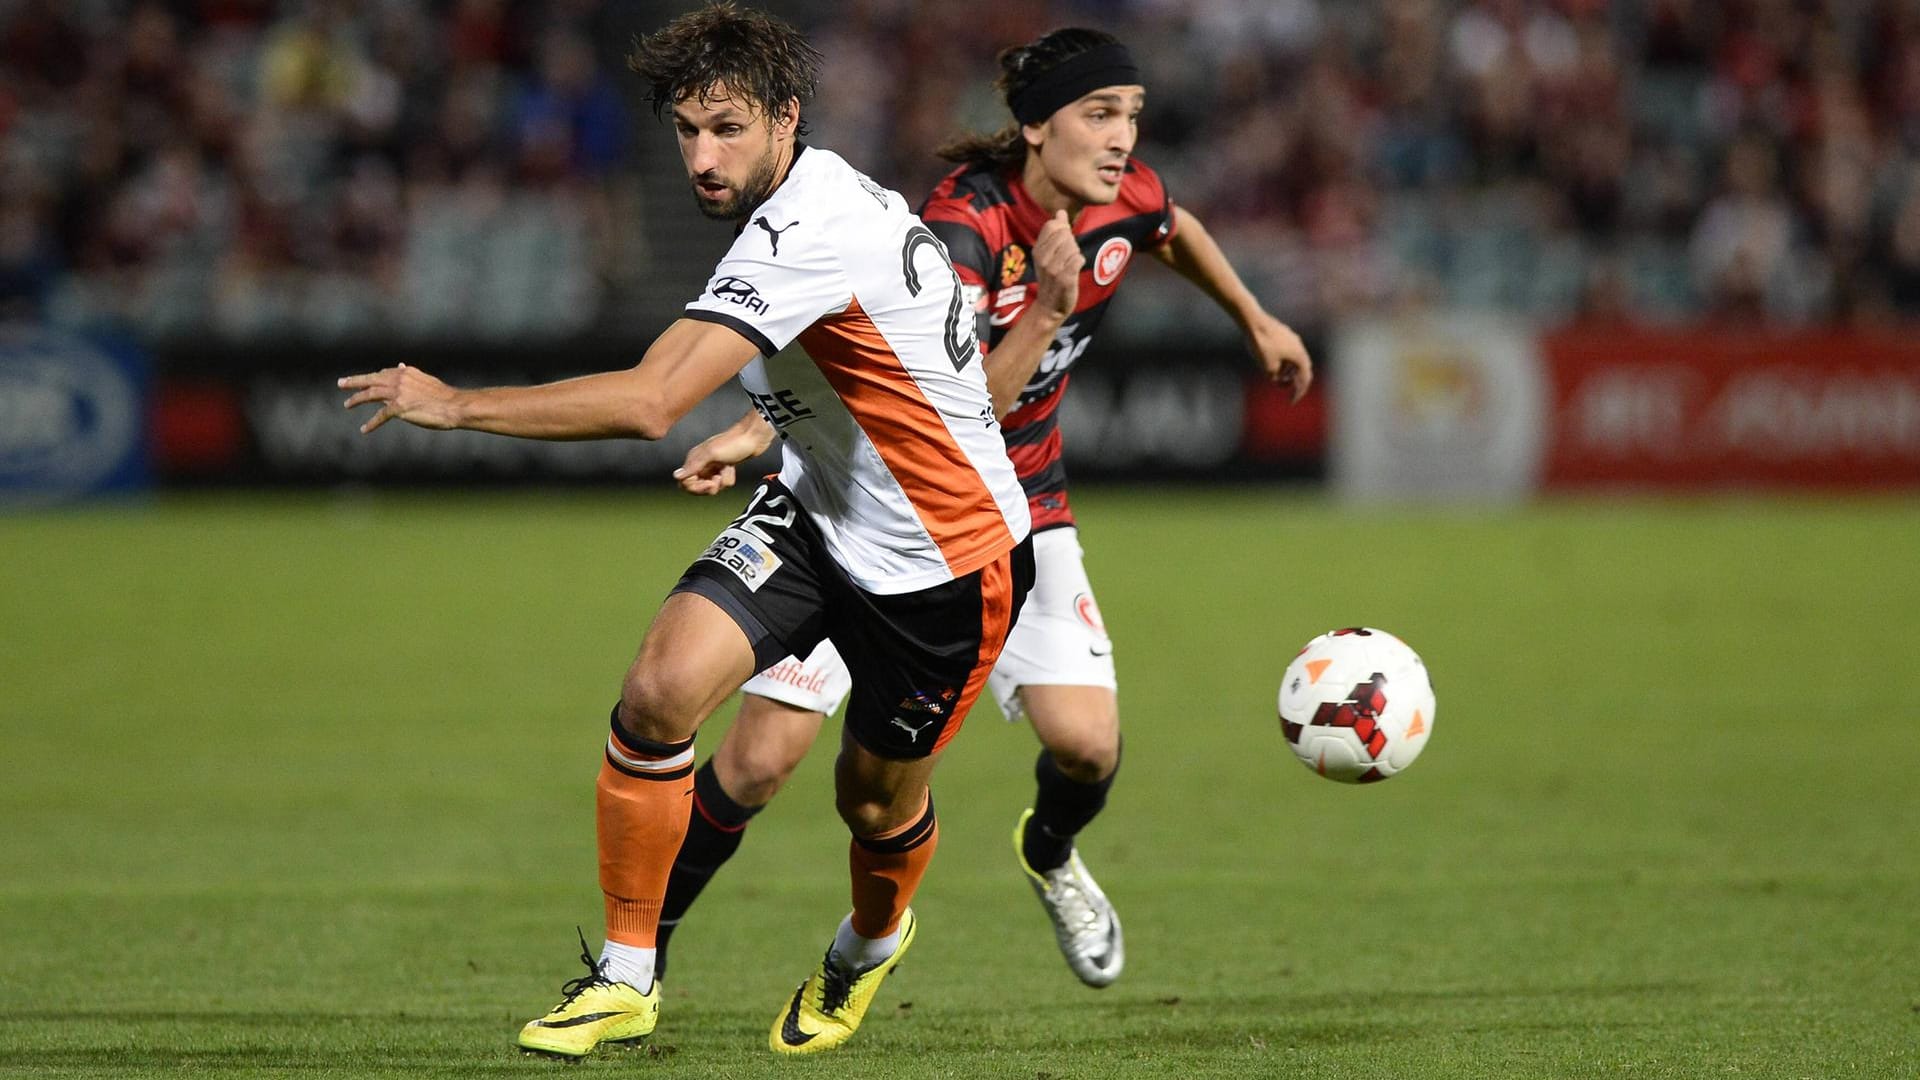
(1281, 354)
(703, 473)
(708, 468)
(406, 393)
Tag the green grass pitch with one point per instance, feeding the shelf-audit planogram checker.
(302, 787)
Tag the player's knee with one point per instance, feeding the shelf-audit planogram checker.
(754, 773)
(652, 708)
(871, 815)
(1087, 753)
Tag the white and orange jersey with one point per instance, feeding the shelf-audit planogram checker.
(886, 425)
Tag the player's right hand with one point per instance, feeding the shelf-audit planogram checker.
(405, 393)
(1057, 262)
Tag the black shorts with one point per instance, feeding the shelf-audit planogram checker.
(919, 660)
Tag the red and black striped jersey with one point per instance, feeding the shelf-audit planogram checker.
(989, 223)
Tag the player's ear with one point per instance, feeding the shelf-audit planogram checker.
(787, 120)
(1035, 134)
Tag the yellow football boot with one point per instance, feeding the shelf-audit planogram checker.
(593, 1010)
(827, 1008)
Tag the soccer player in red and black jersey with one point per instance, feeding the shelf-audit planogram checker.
(1042, 221)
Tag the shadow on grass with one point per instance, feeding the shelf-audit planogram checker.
(1258, 1018)
(249, 1061)
(254, 1043)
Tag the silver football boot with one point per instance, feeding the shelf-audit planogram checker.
(1084, 922)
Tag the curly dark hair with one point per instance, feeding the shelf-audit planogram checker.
(1020, 65)
(758, 57)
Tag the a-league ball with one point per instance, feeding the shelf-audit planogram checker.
(1356, 705)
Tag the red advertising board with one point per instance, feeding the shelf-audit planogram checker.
(1698, 409)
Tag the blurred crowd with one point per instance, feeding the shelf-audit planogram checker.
(464, 169)
(316, 169)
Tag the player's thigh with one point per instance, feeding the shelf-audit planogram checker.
(765, 743)
(692, 658)
(762, 576)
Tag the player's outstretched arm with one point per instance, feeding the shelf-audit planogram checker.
(709, 466)
(1193, 253)
(1056, 266)
(684, 364)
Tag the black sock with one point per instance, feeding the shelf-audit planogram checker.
(714, 831)
(1061, 809)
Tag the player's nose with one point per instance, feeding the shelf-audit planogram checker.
(703, 154)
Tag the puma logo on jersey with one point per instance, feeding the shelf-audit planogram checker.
(773, 234)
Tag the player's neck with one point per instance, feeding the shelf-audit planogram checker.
(784, 158)
(1045, 193)
(787, 156)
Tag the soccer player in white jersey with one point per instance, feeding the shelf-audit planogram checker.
(1041, 221)
(896, 527)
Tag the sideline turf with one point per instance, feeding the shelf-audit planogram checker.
(302, 787)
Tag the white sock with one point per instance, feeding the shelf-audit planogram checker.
(857, 953)
(629, 964)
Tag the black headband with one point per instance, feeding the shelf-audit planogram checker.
(1072, 79)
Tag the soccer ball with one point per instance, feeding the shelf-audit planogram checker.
(1356, 705)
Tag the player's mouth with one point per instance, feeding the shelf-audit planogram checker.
(710, 189)
(1112, 173)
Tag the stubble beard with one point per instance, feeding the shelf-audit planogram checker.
(752, 192)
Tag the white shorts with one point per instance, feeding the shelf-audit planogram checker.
(1059, 641)
(821, 682)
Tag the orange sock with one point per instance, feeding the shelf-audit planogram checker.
(887, 869)
(644, 793)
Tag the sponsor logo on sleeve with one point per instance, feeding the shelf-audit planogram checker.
(740, 291)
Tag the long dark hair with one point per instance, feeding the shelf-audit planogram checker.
(758, 57)
(1019, 66)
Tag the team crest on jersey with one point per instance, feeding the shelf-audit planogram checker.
(1013, 264)
(1111, 260)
